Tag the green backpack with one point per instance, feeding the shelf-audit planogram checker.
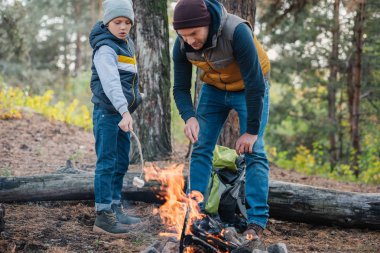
(226, 190)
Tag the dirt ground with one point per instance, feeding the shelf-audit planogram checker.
(34, 145)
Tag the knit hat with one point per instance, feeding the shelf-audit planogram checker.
(117, 8)
(191, 13)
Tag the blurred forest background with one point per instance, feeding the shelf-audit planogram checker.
(325, 78)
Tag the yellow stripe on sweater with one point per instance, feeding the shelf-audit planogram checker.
(126, 59)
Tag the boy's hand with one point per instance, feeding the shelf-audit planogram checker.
(192, 129)
(126, 123)
(245, 143)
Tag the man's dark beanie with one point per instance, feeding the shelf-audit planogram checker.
(190, 13)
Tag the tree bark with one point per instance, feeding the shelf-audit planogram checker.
(65, 52)
(334, 61)
(64, 186)
(245, 9)
(152, 118)
(100, 9)
(78, 43)
(287, 201)
(357, 68)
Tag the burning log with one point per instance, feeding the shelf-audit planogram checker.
(208, 236)
(288, 201)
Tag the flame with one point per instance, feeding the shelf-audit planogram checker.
(250, 237)
(173, 211)
(190, 250)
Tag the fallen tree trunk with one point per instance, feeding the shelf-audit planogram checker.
(297, 202)
(288, 201)
(63, 186)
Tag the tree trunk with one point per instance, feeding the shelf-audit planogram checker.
(245, 9)
(287, 201)
(64, 186)
(66, 46)
(296, 202)
(231, 131)
(100, 9)
(350, 95)
(340, 126)
(152, 119)
(334, 61)
(78, 43)
(357, 68)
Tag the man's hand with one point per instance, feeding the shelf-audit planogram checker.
(126, 122)
(245, 143)
(192, 129)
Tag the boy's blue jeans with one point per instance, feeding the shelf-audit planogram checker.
(112, 150)
(212, 111)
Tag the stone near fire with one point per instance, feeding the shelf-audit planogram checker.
(278, 248)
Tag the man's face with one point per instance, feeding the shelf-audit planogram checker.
(196, 37)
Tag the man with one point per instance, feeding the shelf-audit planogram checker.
(235, 69)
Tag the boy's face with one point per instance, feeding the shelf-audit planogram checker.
(120, 27)
(196, 37)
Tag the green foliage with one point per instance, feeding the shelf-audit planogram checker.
(14, 100)
(5, 172)
(369, 159)
(77, 87)
(313, 162)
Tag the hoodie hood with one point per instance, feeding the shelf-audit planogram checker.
(218, 18)
(100, 33)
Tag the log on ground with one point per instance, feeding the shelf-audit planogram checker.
(287, 201)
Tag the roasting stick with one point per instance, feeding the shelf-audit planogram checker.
(139, 181)
(181, 248)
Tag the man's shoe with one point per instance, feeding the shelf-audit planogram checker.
(253, 232)
(122, 217)
(106, 223)
(252, 236)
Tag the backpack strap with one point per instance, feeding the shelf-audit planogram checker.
(241, 199)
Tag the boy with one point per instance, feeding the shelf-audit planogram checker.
(114, 84)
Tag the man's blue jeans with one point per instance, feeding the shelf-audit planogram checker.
(212, 111)
(112, 150)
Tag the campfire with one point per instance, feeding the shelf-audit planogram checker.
(196, 232)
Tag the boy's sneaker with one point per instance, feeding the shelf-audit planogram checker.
(122, 217)
(106, 223)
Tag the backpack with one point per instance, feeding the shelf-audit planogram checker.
(225, 194)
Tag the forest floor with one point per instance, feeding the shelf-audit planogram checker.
(35, 145)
